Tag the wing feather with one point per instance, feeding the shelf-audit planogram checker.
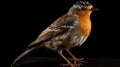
(60, 26)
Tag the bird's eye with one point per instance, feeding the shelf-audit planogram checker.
(83, 8)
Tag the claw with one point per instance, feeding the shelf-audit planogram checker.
(81, 60)
(72, 65)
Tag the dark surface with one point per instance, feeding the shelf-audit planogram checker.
(55, 62)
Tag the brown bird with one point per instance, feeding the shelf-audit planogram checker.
(69, 30)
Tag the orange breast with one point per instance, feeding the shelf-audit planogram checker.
(85, 27)
(85, 24)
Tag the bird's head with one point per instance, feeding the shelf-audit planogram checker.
(81, 8)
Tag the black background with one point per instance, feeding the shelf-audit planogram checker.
(22, 22)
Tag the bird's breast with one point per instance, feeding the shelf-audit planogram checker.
(85, 23)
(85, 26)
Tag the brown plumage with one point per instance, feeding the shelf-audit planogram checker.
(69, 30)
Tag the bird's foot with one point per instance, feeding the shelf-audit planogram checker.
(81, 60)
(72, 65)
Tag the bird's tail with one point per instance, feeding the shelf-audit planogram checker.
(23, 55)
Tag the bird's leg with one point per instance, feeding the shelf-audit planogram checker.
(74, 58)
(69, 63)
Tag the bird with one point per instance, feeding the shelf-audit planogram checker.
(70, 30)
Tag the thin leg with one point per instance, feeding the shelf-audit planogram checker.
(74, 58)
(69, 63)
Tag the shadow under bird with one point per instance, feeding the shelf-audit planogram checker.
(70, 30)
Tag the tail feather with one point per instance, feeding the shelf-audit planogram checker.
(22, 56)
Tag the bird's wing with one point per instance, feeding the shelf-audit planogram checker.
(60, 26)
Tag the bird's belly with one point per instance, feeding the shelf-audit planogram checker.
(78, 40)
(65, 41)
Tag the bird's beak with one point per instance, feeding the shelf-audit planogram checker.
(92, 9)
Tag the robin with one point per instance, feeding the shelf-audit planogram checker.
(69, 30)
